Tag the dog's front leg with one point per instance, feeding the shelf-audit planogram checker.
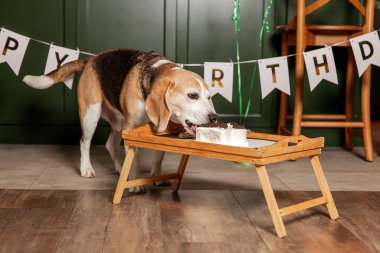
(135, 173)
(156, 166)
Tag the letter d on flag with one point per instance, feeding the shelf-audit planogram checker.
(219, 78)
(59, 56)
(12, 49)
(366, 50)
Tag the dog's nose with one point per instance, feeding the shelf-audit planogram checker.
(212, 117)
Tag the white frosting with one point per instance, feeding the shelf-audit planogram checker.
(230, 136)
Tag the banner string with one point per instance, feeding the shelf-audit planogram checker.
(201, 64)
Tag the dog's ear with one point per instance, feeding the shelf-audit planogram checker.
(157, 104)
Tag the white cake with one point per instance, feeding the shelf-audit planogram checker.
(220, 135)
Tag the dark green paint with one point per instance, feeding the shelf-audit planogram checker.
(187, 31)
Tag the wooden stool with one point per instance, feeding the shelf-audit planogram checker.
(297, 33)
(283, 149)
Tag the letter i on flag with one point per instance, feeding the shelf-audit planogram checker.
(274, 74)
(366, 50)
(12, 49)
(219, 78)
(59, 56)
(320, 65)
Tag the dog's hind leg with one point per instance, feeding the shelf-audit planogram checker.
(116, 120)
(156, 166)
(89, 122)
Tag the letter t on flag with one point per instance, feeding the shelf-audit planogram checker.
(219, 78)
(320, 65)
(366, 50)
(59, 56)
(12, 49)
(274, 74)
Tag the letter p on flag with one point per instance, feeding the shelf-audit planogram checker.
(219, 78)
(366, 50)
(12, 49)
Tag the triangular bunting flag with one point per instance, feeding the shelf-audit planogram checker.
(320, 65)
(59, 56)
(366, 50)
(274, 74)
(12, 49)
(219, 78)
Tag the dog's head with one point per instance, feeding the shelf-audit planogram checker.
(182, 97)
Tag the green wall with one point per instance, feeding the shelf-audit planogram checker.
(190, 31)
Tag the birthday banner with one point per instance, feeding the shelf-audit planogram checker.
(274, 72)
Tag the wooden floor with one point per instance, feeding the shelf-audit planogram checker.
(45, 206)
(190, 221)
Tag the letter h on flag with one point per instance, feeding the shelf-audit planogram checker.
(320, 65)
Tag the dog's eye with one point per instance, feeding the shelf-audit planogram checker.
(208, 98)
(193, 95)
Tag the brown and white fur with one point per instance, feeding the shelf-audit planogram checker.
(129, 88)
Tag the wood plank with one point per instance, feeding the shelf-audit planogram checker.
(213, 218)
(309, 231)
(135, 225)
(30, 223)
(85, 230)
(360, 214)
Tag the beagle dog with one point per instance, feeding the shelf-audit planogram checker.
(129, 88)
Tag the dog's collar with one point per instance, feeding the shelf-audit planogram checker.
(149, 72)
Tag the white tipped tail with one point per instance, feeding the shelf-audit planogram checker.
(38, 82)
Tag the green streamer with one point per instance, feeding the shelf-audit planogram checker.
(236, 20)
(264, 25)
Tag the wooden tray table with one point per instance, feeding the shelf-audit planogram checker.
(284, 148)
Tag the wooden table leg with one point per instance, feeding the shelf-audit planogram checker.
(124, 175)
(181, 169)
(271, 200)
(324, 187)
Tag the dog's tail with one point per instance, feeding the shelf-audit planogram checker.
(59, 75)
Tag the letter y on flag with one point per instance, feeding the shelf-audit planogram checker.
(59, 56)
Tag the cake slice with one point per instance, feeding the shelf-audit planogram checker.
(223, 133)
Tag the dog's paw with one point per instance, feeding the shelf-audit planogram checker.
(90, 172)
(162, 183)
(137, 189)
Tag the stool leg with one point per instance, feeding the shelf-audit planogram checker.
(283, 96)
(300, 68)
(366, 114)
(124, 175)
(349, 144)
(181, 169)
(324, 187)
(271, 200)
